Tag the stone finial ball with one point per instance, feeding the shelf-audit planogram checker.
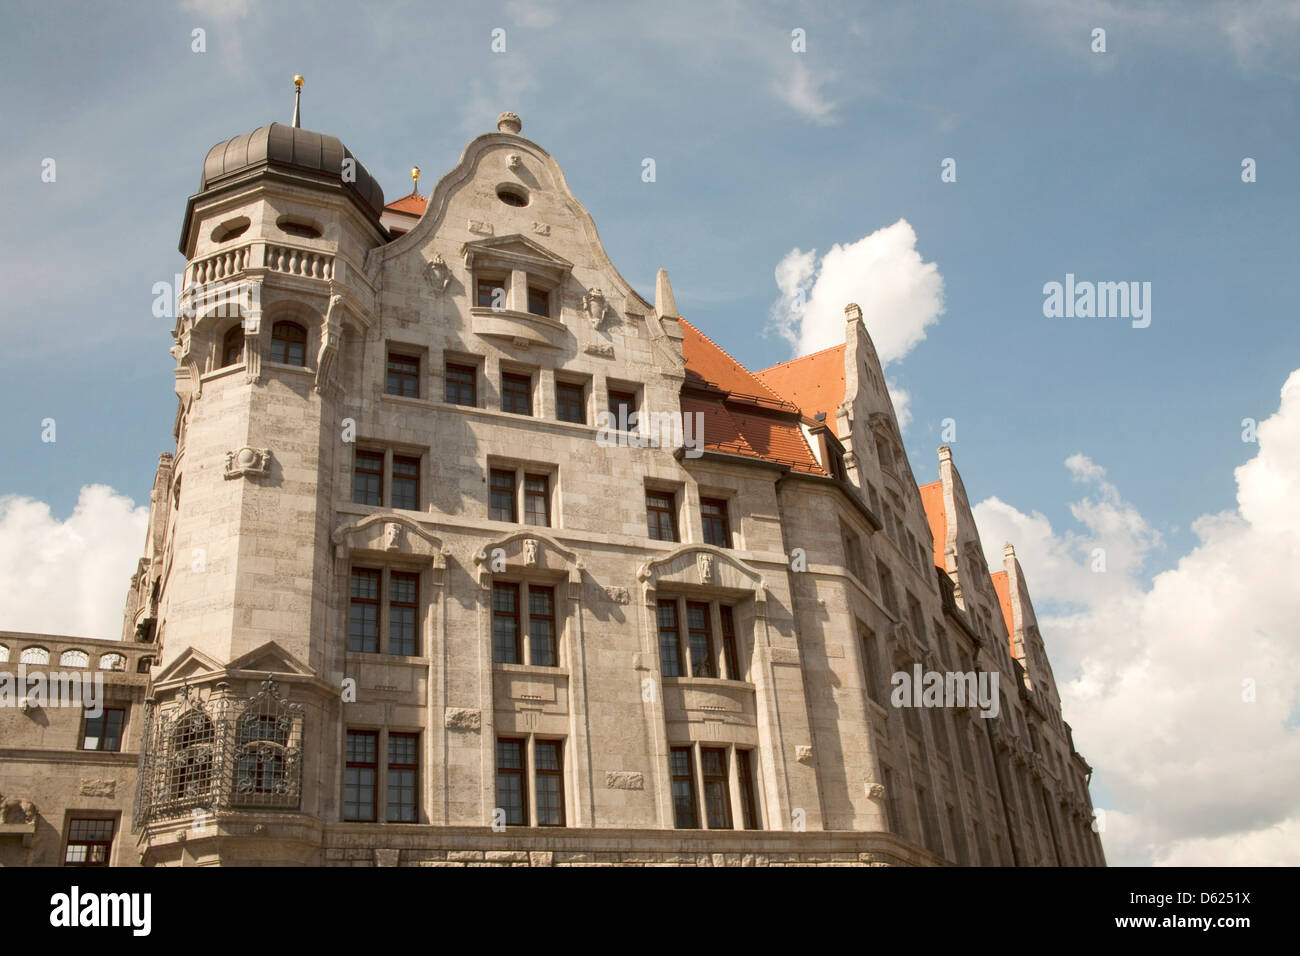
(509, 122)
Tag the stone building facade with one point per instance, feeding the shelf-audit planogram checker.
(408, 598)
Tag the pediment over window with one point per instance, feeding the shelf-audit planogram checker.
(702, 566)
(515, 252)
(531, 554)
(193, 666)
(390, 536)
(270, 658)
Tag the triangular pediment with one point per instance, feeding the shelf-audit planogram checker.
(515, 247)
(192, 665)
(270, 658)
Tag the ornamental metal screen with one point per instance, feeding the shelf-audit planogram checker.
(222, 753)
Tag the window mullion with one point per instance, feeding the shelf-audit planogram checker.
(701, 800)
(530, 778)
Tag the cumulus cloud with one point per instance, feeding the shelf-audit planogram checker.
(901, 295)
(68, 576)
(1183, 691)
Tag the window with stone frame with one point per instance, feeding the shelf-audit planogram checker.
(516, 393)
(661, 515)
(698, 639)
(530, 801)
(522, 493)
(519, 609)
(571, 402)
(461, 384)
(403, 375)
(232, 346)
(104, 732)
(384, 611)
(289, 344)
(403, 778)
(361, 776)
(90, 842)
(716, 522)
(681, 769)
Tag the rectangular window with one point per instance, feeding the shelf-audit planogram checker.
(958, 837)
(406, 483)
(570, 403)
(403, 613)
(541, 627)
(90, 842)
(717, 530)
(502, 505)
(537, 500)
(505, 624)
(717, 789)
(462, 385)
(683, 784)
(403, 375)
(745, 774)
(887, 592)
(700, 635)
(622, 406)
(105, 731)
(368, 478)
(870, 665)
(403, 778)
(852, 552)
(512, 789)
(516, 394)
(548, 758)
(893, 818)
(361, 776)
(670, 645)
(539, 301)
(363, 612)
(729, 644)
(490, 294)
(661, 515)
(918, 617)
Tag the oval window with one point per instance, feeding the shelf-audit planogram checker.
(230, 229)
(512, 195)
(298, 226)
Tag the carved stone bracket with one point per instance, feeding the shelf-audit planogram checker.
(331, 336)
(248, 462)
(803, 753)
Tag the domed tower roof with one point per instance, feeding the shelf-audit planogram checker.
(292, 153)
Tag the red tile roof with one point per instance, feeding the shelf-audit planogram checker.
(412, 205)
(814, 382)
(1002, 584)
(741, 414)
(932, 502)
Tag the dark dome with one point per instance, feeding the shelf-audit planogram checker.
(290, 148)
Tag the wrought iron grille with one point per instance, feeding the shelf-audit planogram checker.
(222, 753)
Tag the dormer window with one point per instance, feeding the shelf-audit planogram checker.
(539, 301)
(232, 347)
(517, 283)
(491, 293)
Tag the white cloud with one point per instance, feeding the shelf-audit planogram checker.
(1152, 673)
(801, 90)
(70, 576)
(900, 294)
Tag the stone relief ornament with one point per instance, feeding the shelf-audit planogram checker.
(530, 552)
(13, 808)
(514, 161)
(803, 753)
(439, 273)
(393, 536)
(595, 306)
(704, 564)
(247, 462)
(875, 790)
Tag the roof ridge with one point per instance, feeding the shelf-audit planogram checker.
(829, 348)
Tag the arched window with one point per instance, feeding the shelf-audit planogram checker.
(4, 654)
(232, 347)
(74, 659)
(34, 655)
(191, 763)
(112, 662)
(289, 344)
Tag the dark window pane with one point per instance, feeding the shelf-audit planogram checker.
(661, 515)
(683, 787)
(541, 626)
(406, 483)
(547, 757)
(717, 791)
(729, 643)
(570, 403)
(361, 776)
(517, 394)
(363, 612)
(701, 640)
(505, 624)
(403, 375)
(403, 777)
(289, 343)
(670, 655)
(232, 347)
(622, 406)
(368, 478)
(105, 731)
(748, 804)
(502, 504)
(90, 843)
(403, 613)
(512, 794)
(462, 385)
(539, 302)
(491, 294)
(537, 500)
(717, 531)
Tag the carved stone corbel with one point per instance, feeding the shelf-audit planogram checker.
(331, 335)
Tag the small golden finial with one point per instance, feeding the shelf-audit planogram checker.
(297, 95)
(415, 180)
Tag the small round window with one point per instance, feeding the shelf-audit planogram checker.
(230, 229)
(512, 195)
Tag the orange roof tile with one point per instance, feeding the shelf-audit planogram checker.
(932, 502)
(814, 382)
(412, 205)
(1002, 584)
(742, 416)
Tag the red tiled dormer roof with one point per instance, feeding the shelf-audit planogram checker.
(814, 382)
(742, 416)
(936, 517)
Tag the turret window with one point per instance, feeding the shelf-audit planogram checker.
(289, 344)
(232, 347)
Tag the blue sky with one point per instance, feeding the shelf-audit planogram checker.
(1123, 165)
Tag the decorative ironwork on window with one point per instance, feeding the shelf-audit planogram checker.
(222, 753)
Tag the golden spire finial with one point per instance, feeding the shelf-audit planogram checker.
(415, 180)
(297, 95)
